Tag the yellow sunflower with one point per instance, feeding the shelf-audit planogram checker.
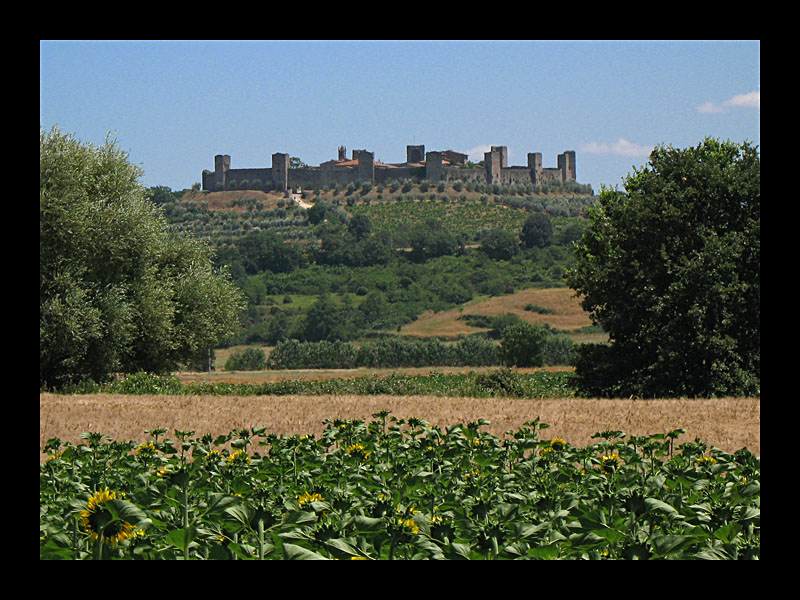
(409, 526)
(309, 498)
(95, 514)
(611, 463)
(239, 457)
(358, 451)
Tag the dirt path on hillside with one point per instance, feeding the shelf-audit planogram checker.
(298, 200)
(728, 423)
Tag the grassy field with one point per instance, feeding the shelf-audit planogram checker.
(567, 316)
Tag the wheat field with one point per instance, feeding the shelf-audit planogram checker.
(727, 423)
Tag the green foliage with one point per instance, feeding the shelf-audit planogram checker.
(431, 240)
(539, 309)
(265, 251)
(461, 385)
(397, 489)
(247, 359)
(500, 244)
(537, 231)
(162, 195)
(117, 292)
(502, 382)
(390, 352)
(671, 270)
(495, 323)
(522, 345)
(324, 321)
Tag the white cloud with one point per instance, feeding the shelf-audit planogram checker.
(476, 154)
(621, 147)
(748, 100)
(710, 108)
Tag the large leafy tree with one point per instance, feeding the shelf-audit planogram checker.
(671, 270)
(117, 291)
(537, 231)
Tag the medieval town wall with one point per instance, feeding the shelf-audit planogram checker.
(281, 177)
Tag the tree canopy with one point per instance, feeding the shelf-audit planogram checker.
(537, 231)
(117, 291)
(671, 270)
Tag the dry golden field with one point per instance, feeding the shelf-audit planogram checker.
(568, 315)
(222, 200)
(728, 423)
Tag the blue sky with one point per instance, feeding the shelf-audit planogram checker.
(173, 105)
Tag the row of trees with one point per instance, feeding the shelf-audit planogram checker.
(521, 345)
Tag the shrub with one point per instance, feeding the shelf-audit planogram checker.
(249, 359)
(502, 382)
(476, 351)
(559, 350)
(539, 309)
(522, 345)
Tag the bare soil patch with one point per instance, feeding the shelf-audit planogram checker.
(727, 423)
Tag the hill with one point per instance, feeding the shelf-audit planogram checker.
(421, 267)
(556, 307)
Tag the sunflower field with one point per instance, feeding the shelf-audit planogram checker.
(397, 489)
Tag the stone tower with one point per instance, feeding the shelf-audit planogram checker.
(493, 162)
(503, 150)
(415, 154)
(280, 171)
(342, 153)
(566, 163)
(366, 165)
(433, 166)
(535, 165)
(222, 163)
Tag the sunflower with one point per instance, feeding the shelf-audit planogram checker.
(408, 526)
(147, 450)
(305, 498)
(239, 457)
(115, 531)
(611, 463)
(358, 451)
(557, 444)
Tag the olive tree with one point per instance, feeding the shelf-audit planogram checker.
(117, 291)
(671, 269)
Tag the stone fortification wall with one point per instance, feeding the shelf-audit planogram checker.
(495, 170)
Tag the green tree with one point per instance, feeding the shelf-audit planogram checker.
(523, 344)
(326, 321)
(317, 213)
(431, 239)
(360, 227)
(117, 291)
(162, 194)
(500, 244)
(537, 231)
(265, 251)
(671, 270)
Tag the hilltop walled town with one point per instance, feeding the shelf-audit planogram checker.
(446, 165)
